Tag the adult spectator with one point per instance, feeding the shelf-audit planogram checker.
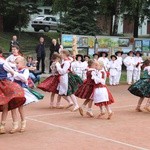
(40, 51)
(54, 47)
(13, 42)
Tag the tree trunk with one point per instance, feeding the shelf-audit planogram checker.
(136, 26)
(111, 25)
(1, 23)
(116, 21)
(19, 19)
(136, 20)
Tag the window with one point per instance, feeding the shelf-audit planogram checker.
(47, 11)
(47, 19)
(53, 19)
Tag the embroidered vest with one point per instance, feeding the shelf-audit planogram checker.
(22, 84)
(3, 73)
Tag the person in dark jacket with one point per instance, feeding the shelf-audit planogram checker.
(13, 42)
(54, 47)
(40, 51)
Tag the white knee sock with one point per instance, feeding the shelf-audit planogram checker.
(74, 99)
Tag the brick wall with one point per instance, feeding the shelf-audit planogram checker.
(104, 24)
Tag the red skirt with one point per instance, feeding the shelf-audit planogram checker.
(111, 100)
(85, 91)
(12, 94)
(50, 84)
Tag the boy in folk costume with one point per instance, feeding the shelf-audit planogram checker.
(77, 66)
(85, 64)
(68, 82)
(137, 69)
(130, 64)
(95, 56)
(103, 58)
(113, 70)
(119, 62)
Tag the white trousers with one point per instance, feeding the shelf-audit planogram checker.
(136, 75)
(112, 80)
(129, 76)
(118, 76)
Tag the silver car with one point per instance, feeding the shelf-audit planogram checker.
(45, 23)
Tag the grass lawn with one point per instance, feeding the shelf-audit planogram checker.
(27, 40)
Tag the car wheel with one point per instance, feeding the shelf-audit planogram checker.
(36, 30)
(46, 29)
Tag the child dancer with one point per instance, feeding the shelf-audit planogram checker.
(86, 89)
(21, 77)
(137, 69)
(141, 87)
(95, 56)
(130, 64)
(113, 70)
(85, 64)
(77, 66)
(51, 83)
(119, 62)
(9, 98)
(105, 60)
(101, 95)
(15, 53)
(68, 82)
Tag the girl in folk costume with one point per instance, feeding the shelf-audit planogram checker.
(50, 84)
(141, 88)
(86, 89)
(137, 69)
(130, 64)
(21, 77)
(119, 62)
(15, 53)
(85, 64)
(9, 98)
(101, 95)
(103, 58)
(77, 66)
(68, 82)
(113, 70)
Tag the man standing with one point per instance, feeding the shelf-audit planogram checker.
(13, 42)
(53, 48)
(40, 51)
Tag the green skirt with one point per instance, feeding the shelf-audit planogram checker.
(36, 94)
(73, 83)
(141, 88)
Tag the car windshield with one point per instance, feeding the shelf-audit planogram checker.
(39, 17)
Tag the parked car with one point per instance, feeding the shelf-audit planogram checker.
(46, 23)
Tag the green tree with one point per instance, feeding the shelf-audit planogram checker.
(80, 17)
(16, 13)
(137, 11)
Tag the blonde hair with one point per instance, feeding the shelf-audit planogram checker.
(65, 52)
(90, 62)
(22, 60)
(101, 63)
(55, 56)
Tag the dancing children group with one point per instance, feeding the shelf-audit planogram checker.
(70, 77)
